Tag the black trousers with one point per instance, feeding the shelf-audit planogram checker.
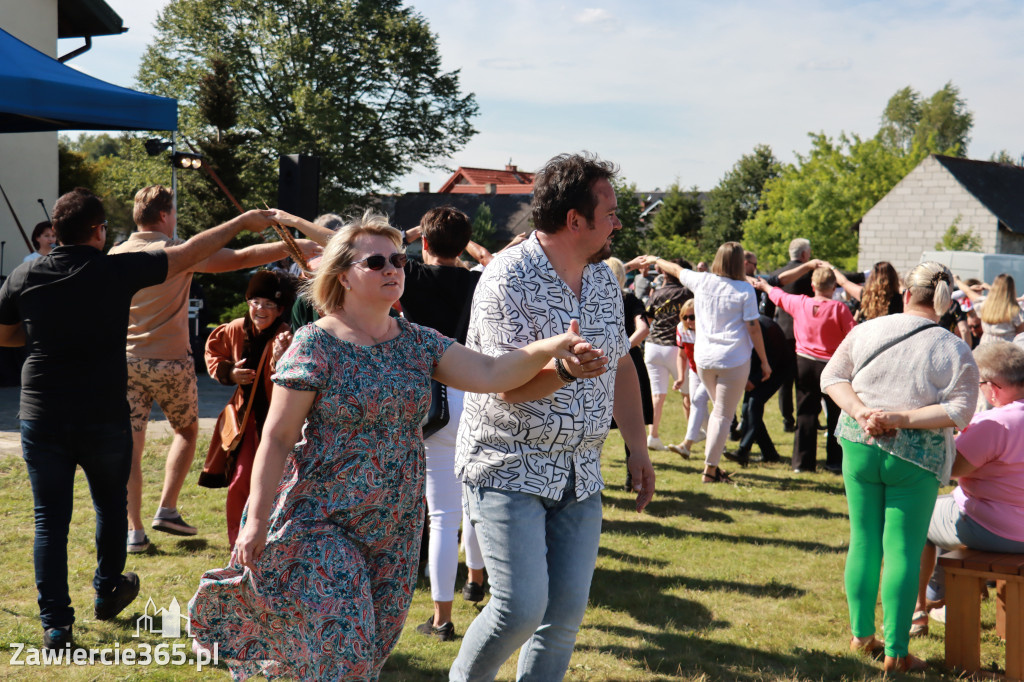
(786, 391)
(808, 407)
(752, 428)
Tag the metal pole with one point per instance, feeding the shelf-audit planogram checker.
(174, 181)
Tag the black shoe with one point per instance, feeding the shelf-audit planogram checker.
(838, 470)
(629, 489)
(734, 434)
(124, 594)
(770, 460)
(741, 458)
(444, 632)
(475, 591)
(58, 638)
(789, 427)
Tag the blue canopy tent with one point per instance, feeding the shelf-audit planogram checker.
(39, 93)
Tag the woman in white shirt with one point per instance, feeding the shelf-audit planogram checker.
(727, 330)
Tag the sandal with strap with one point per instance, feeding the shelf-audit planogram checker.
(919, 624)
(718, 477)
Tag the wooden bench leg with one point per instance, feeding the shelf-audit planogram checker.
(1001, 608)
(963, 621)
(1013, 591)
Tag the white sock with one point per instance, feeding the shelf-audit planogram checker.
(165, 512)
(136, 536)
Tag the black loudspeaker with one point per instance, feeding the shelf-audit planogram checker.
(298, 187)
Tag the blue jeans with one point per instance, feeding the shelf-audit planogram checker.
(540, 555)
(52, 452)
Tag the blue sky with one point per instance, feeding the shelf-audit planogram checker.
(678, 91)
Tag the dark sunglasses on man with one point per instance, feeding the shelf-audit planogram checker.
(377, 261)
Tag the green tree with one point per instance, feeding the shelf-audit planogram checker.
(675, 229)
(357, 83)
(956, 240)
(484, 230)
(737, 197)
(628, 242)
(909, 119)
(823, 196)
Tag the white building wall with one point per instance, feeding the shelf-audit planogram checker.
(916, 213)
(28, 161)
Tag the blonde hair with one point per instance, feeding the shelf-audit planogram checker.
(325, 290)
(929, 285)
(729, 261)
(1000, 361)
(618, 269)
(823, 279)
(1001, 303)
(686, 307)
(149, 202)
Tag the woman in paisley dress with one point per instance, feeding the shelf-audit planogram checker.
(322, 574)
(903, 383)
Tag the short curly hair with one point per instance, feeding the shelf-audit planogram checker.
(566, 183)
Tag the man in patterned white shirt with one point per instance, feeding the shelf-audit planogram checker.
(530, 458)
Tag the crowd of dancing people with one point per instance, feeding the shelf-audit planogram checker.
(383, 401)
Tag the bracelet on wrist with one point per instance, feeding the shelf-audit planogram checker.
(563, 372)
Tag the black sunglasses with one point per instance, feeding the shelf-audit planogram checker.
(689, 317)
(377, 261)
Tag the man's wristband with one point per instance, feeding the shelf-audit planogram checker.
(563, 372)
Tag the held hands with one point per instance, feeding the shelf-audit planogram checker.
(760, 284)
(309, 248)
(241, 375)
(257, 220)
(581, 359)
(886, 423)
(867, 419)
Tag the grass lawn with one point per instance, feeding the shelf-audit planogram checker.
(713, 582)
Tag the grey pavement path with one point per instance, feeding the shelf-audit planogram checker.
(212, 399)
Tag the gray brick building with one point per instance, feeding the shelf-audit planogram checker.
(987, 197)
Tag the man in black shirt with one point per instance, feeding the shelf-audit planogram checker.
(70, 309)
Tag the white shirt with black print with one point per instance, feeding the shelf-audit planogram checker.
(529, 447)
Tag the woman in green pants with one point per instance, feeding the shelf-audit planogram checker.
(903, 383)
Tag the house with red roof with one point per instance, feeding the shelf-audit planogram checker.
(511, 180)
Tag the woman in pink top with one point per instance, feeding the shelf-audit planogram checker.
(819, 324)
(987, 511)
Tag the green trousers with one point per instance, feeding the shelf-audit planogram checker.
(890, 503)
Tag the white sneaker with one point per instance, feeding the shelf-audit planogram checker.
(938, 615)
(655, 443)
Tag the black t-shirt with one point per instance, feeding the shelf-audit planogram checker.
(633, 307)
(439, 297)
(74, 306)
(663, 312)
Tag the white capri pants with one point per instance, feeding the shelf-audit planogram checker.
(661, 366)
(444, 504)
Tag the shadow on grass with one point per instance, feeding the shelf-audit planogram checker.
(646, 528)
(622, 590)
(690, 656)
(701, 506)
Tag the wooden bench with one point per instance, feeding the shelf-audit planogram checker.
(967, 571)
